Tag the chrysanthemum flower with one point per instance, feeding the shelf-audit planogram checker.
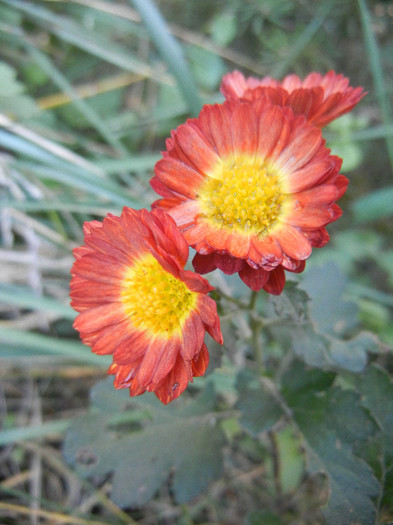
(252, 186)
(320, 99)
(137, 302)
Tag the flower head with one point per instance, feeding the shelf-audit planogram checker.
(252, 186)
(320, 99)
(137, 302)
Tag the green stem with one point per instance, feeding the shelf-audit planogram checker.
(256, 326)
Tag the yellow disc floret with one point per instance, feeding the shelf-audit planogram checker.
(154, 299)
(245, 195)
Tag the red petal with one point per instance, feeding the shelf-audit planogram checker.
(193, 334)
(244, 130)
(265, 252)
(159, 359)
(228, 264)
(201, 155)
(318, 238)
(200, 362)
(185, 214)
(99, 317)
(195, 282)
(276, 282)
(309, 218)
(217, 120)
(254, 279)
(218, 238)
(293, 242)
(308, 176)
(207, 310)
(132, 348)
(238, 245)
(204, 263)
(304, 143)
(273, 132)
(179, 177)
(175, 382)
(318, 196)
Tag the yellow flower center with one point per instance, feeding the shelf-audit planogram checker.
(154, 299)
(245, 195)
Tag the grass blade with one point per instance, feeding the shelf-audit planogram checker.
(377, 73)
(80, 37)
(13, 435)
(24, 297)
(85, 109)
(170, 51)
(303, 40)
(34, 344)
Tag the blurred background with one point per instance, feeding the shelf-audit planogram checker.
(89, 91)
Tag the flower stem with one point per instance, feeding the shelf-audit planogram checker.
(255, 326)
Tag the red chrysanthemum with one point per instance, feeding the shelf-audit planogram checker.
(320, 99)
(252, 186)
(138, 303)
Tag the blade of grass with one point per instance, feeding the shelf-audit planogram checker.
(83, 207)
(304, 39)
(100, 187)
(24, 297)
(377, 73)
(49, 149)
(82, 38)
(133, 164)
(376, 132)
(35, 344)
(185, 34)
(87, 111)
(13, 435)
(359, 290)
(170, 51)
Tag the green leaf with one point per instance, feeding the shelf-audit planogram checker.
(223, 28)
(260, 410)
(207, 67)
(174, 439)
(376, 388)
(312, 327)
(374, 206)
(291, 459)
(334, 424)
(325, 286)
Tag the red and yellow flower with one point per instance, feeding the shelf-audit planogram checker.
(320, 99)
(252, 187)
(139, 304)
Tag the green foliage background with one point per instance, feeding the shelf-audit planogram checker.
(293, 422)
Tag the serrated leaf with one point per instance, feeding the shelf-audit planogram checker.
(323, 351)
(142, 460)
(376, 388)
(325, 286)
(334, 424)
(260, 410)
(316, 322)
